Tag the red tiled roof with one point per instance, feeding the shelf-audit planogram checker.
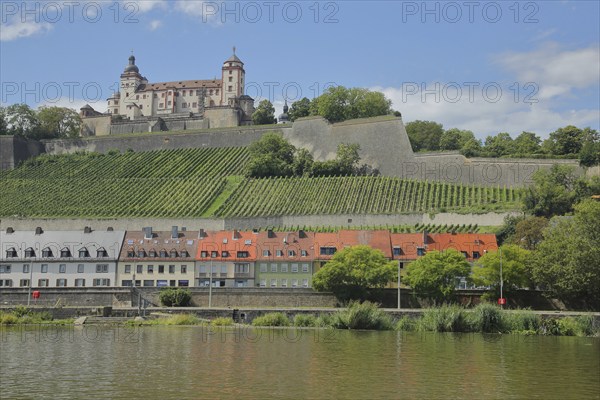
(191, 84)
(227, 241)
(161, 240)
(408, 244)
(466, 242)
(346, 238)
(297, 242)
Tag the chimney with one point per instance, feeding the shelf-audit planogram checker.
(270, 233)
(236, 234)
(201, 234)
(10, 230)
(147, 232)
(87, 229)
(174, 232)
(424, 238)
(38, 231)
(301, 234)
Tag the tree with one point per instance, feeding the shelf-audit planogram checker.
(21, 120)
(506, 233)
(590, 152)
(299, 109)
(3, 124)
(527, 143)
(272, 155)
(339, 104)
(516, 273)
(567, 140)
(354, 272)
(424, 135)
(347, 158)
(58, 122)
(303, 163)
(528, 232)
(499, 145)
(567, 261)
(436, 275)
(551, 192)
(471, 148)
(450, 140)
(264, 113)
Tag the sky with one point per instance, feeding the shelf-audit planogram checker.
(491, 66)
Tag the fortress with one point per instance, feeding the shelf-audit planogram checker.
(140, 106)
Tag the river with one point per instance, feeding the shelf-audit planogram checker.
(45, 362)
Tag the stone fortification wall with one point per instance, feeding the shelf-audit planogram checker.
(351, 221)
(15, 149)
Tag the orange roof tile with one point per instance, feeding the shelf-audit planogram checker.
(408, 244)
(464, 242)
(346, 238)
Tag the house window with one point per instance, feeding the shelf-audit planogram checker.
(24, 283)
(263, 283)
(291, 253)
(128, 269)
(265, 253)
(11, 253)
(397, 251)
(130, 253)
(184, 269)
(65, 253)
(139, 269)
(80, 268)
(194, 105)
(242, 268)
(62, 268)
(150, 269)
(202, 269)
(273, 282)
(171, 269)
(242, 254)
(173, 253)
(44, 268)
(101, 252)
(303, 253)
(61, 282)
(279, 253)
(305, 283)
(79, 282)
(284, 268)
(163, 253)
(5, 269)
(294, 283)
(161, 269)
(305, 267)
(183, 105)
(225, 253)
(29, 252)
(476, 255)
(420, 251)
(141, 253)
(43, 282)
(273, 267)
(102, 282)
(204, 254)
(84, 253)
(148, 283)
(102, 268)
(294, 267)
(284, 283)
(327, 251)
(263, 267)
(25, 268)
(465, 254)
(47, 252)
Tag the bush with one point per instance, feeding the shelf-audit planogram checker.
(444, 319)
(21, 311)
(406, 324)
(175, 297)
(222, 321)
(324, 321)
(272, 319)
(305, 320)
(365, 315)
(8, 319)
(522, 322)
(487, 318)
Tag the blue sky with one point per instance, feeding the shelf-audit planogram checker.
(485, 66)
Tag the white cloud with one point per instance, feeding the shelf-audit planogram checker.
(18, 29)
(155, 24)
(556, 71)
(208, 11)
(76, 104)
(145, 5)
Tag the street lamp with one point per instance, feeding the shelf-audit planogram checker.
(501, 280)
(399, 268)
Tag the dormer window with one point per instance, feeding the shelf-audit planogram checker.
(130, 253)
(65, 252)
(152, 253)
(163, 253)
(141, 253)
(101, 252)
(243, 254)
(173, 253)
(184, 253)
(420, 251)
(225, 253)
(11, 253)
(47, 252)
(29, 252)
(204, 254)
(84, 253)
(397, 251)
(327, 251)
(214, 254)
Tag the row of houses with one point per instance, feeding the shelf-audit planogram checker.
(182, 258)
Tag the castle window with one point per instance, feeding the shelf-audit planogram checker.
(217, 91)
(137, 97)
(109, 102)
(194, 105)
(144, 96)
(169, 103)
(197, 93)
(230, 72)
(183, 92)
(141, 106)
(231, 79)
(230, 88)
(184, 105)
(155, 95)
(210, 92)
(161, 105)
(115, 111)
(162, 95)
(116, 102)
(230, 64)
(170, 92)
